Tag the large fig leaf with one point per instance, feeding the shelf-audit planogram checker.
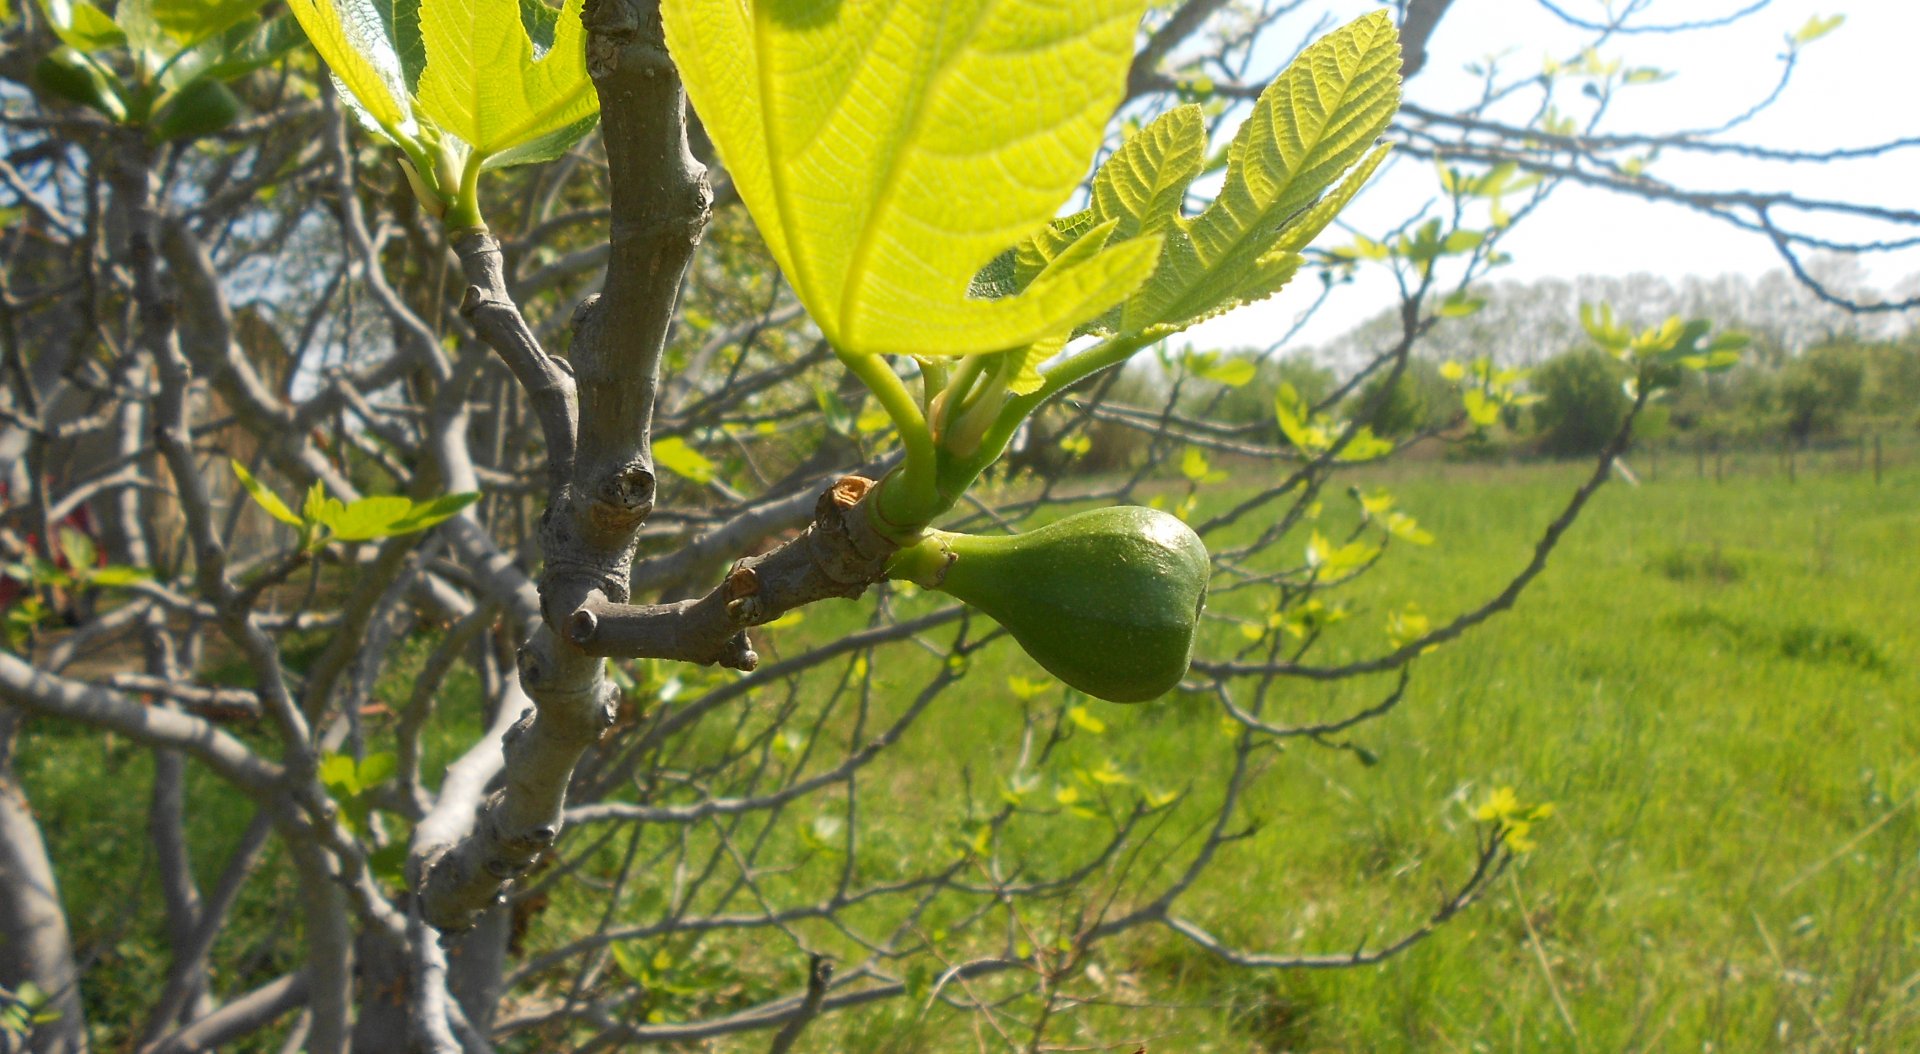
(889, 149)
(351, 37)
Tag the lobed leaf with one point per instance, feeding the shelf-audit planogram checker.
(484, 83)
(1315, 123)
(889, 149)
(351, 37)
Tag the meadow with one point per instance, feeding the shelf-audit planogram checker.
(1714, 683)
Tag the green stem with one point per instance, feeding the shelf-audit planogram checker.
(910, 501)
(1067, 373)
(925, 562)
(464, 213)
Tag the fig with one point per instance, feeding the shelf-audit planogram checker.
(1106, 600)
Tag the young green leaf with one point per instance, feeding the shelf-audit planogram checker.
(1816, 28)
(1145, 182)
(191, 21)
(886, 104)
(351, 37)
(1317, 120)
(74, 76)
(202, 108)
(265, 498)
(82, 26)
(674, 455)
(365, 519)
(483, 82)
(79, 549)
(1233, 373)
(433, 513)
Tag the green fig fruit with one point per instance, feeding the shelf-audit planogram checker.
(1106, 600)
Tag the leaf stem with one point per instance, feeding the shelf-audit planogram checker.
(913, 499)
(1067, 373)
(464, 213)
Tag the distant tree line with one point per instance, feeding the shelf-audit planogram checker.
(1813, 371)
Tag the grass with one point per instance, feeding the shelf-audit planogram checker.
(1714, 683)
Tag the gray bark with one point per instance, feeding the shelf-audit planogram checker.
(34, 943)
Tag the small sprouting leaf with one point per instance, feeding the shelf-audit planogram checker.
(423, 515)
(82, 26)
(79, 549)
(376, 769)
(1484, 411)
(673, 454)
(1233, 373)
(1029, 379)
(1816, 28)
(1407, 625)
(1195, 466)
(70, 74)
(315, 508)
(1460, 305)
(265, 498)
(629, 962)
(339, 775)
(116, 575)
(1406, 528)
(1292, 413)
(1335, 561)
(1084, 718)
(1025, 688)
(365, 519)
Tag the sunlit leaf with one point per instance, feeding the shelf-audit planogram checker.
(265, 498)
(351, 37)
(484, 83)
(1817, 27)
(673, 454)
(946, 132)
(1317, 121)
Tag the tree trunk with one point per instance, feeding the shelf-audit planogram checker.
(35, 947)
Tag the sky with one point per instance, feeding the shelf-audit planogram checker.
(1853, 87)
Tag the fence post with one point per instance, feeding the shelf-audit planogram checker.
(1876, 459)
(1700, 458)
(1719, 461)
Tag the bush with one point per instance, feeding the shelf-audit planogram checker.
(1582, 403)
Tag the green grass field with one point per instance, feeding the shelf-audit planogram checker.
(1714, 683)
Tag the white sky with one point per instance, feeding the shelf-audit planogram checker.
(1854, 87)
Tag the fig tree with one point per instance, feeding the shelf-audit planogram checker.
(1106, 600)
